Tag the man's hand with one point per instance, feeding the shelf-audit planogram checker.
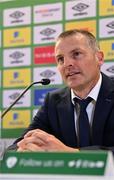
(38, 140)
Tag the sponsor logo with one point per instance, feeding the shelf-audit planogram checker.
(47, 73)
(106, 7)
(15, 37)
(80, 7)
(14, 78)
(16, 119)
(44, 55)
(16, 56)
(11, 162)
(110, 69)
(17, 81)
(17, 15)
(14, 95)
(15, 116)
(16, 75)
(110, 25)
(39, 96)
(46, 10)
(47, 32)
(47, 13)
(16, 34)
(9, 96)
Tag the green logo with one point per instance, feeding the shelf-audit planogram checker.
(11, 162)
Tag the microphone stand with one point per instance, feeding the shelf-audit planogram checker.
(43, 82)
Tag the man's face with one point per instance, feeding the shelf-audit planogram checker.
(77, 62)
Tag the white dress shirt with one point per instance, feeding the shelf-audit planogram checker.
(91, 106)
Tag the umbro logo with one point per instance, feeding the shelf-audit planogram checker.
(47, 73)
(16, 55)
(47, 32)
(110, 25)
(110, 69)
(17, 15)
(14, 95)
(80, 7)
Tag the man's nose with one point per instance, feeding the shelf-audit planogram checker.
(68, 62)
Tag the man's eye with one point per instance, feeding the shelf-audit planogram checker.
(60, 59)
(76, 54)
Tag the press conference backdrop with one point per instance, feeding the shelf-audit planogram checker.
(28, 30)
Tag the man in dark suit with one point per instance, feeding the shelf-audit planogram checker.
(56, 125)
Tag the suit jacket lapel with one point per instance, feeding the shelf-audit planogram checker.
(103, 106)
(66, 119)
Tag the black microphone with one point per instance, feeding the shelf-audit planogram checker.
(43, 82)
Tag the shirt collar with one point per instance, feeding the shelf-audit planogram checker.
(93, 93)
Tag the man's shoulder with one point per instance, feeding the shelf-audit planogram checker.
(60, 91)
(109, 81)
(59, 94)
(107, 87)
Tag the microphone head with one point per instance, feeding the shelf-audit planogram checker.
(45, 81)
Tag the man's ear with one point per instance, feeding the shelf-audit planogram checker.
(100, 57)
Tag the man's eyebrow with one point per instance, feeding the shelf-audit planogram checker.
(70, 52)
(76, 49)
(59, 55)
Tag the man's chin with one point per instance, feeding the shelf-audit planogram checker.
(72, 85)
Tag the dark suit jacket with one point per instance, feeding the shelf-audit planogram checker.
(57, 117)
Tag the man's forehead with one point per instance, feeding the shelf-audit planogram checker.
(72, 38)
(76, 41)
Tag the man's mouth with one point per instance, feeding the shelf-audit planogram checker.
(72, 74)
